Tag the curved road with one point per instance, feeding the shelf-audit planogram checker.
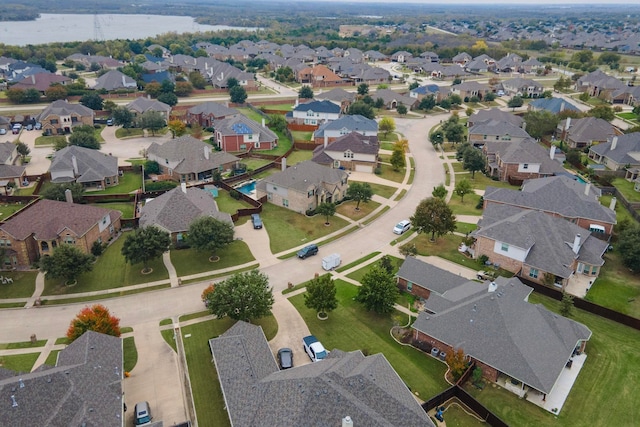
(52, 322)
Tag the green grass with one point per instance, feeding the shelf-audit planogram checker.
(11, 304)
(251, 114)
(215, 276)
(616, 287)
(127, 208)
(196, 315)
(288, 229)
(626, 188)
(298, 156)
(385, 191)
(255, 163)
(390, 174)
(22, 344)
(609, 379)
(127, 183)
(284, 144)
(457, 167)
(24, 191)
(129, 132)
(387, 146)
(207, 395)
(348, 209)
(109, 272)
(167, 335)
(23, 286)
(465, 227)
(627, 116)
(228, 204)
(62, 340)
(445, 247)
(280, 107)
(621, 212)
(390, 137)
(43, 141)
(19, 362)
(126, 329)
(165, 322)
(360, 273)
(357, 262)
(104, 296)
(480, 182)
(400, 195)
(7, 209)
(466, 207)
(52, 358)
(190, 261)
(130, 353)
(350, 327)
(301, 136)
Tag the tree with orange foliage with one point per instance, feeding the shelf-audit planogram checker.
(205, 294)
(457, 362)
(95, 318)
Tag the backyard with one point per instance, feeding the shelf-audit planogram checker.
(298, 156)
(616, 287)
(126, 208)
(605, 391)
(296, 228)
(350, 327)
(627, 189)
(127, 183)
(207, 394)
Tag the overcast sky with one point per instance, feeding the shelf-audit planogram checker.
(489, 2)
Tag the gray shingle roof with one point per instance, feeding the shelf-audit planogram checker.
(589, 129)
(337, 95)
(319, 394)
(429, 276)
(498, 127)
(175, 210)
(388, 96)
(214, 109)
(547, 239)
(627, 149)
(325, 106)
(11, 171)
(93, 165)
(526, 151)
(84, 389)
(190, 153)
(501, 329)
(114, 79)
(495, 114)
(553, 105)
(63, 108)
(356, 143)
(307, 174)
(556, 194)
(348, 123)
(143, 104)
(229, 126)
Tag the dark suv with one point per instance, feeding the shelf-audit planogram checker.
(308, 251)
(256, 221)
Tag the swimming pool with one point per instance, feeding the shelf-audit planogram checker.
(248, 188)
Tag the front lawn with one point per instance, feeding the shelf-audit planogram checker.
(129, 132)
(288, 229)
(109, 272)
(385, 191)
(466, 207)
(43, 141)
(605, 392)
(392, 175)
(19, 362)
(359, 273)
(348, 209)
(191, 261)
(207, 394)
(350, 327)
(23, 286)
(127, 183)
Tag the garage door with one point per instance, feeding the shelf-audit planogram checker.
(363, 168)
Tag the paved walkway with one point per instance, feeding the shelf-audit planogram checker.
(173, 276)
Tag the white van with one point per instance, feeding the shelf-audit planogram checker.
(402, 226)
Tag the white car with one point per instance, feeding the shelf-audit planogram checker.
(402, 226)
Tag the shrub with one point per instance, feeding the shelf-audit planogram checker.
(234, 194)
(378, 170)
(97, 248)
(480, 203)
(161, 185)
(483, 259)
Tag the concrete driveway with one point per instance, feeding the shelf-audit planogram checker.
(291, 329)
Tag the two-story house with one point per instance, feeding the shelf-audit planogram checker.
(315, 113)
(619, 153)
(330, 131)
(142, 104)
(240, 133)
(206, 113)
(584, 132)
(496, 130)
(523, 87)
(515, 161)
(351, 152)
(60, 117)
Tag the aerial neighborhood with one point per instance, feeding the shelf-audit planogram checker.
(343, 223)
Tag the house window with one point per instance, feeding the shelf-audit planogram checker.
(285, 203)
(243, 146)
(54, 121)
(497, 137)
(533, 273)
(269, 196)
(348, 155)
(69, 240)
(594, 270)
(409, 286)
(74, 119)
(250, 136)
(336, 164)
(504, 247)
(310, 193)
(525, 166)
(484, 136)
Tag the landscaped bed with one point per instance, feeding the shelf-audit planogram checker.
(350, 327)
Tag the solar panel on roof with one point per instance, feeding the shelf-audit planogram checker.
(241, 128)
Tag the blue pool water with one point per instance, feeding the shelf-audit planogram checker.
(247, 188)
(580, 180)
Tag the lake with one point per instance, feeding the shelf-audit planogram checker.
(51, 28)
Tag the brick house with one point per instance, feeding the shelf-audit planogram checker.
(543, 248)
(9, 171)
(330, 131)
(339, 97)
(91, 168)
(187, 159)
(559, 196)
(353, 152)
(513, 341)
(318, 76)
(204, 114)
(60, 117)
(142, 104)
(496, 130)
(519, 160)
(584, 132)
(314, 113)
(304, 186)
(422, 279)
(240, 133)
(43, 225)
(523, 87)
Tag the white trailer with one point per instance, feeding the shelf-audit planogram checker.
(330, 262)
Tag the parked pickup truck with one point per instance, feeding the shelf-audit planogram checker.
(314, 348)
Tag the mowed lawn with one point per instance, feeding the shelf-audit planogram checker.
(288, 229)
(191, 261)
(127, 183)
(298, 156)
(606, 391)
(616, 287)
(348, 209)
(127, 208)
(109, 272)
(23, 286)
(350, 327)
(385, 191)
(207, 394)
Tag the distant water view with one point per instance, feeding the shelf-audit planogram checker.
(51, 28)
